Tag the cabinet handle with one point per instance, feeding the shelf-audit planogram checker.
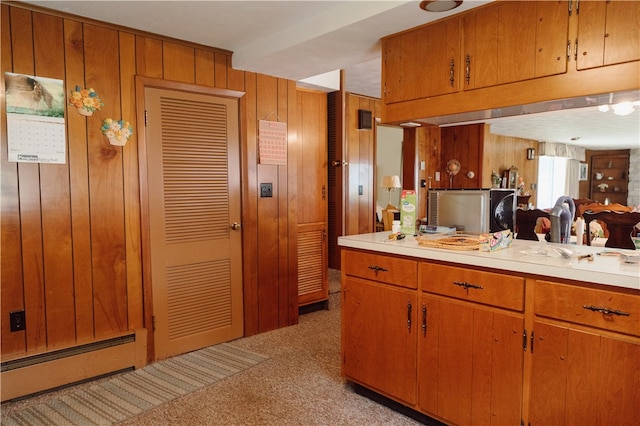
(606, 311)
(467, 69)
(568, 50)
(467, 285)
(377, 269)
(451, 72)
(424, 320)
(409, 314)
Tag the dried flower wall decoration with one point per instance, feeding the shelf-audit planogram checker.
(86, 101)
(118, 132)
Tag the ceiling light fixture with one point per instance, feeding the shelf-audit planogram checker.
(439, 5)
(621, 108)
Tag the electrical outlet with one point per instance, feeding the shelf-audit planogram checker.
(17, 320)
(266, 190)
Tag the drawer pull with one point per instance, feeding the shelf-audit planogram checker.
(606, 311)
(467, 285)
(377, 269)
(409, 315)
(424, 320)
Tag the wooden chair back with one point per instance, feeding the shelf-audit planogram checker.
(619, 224)
(580, 201)
(526, 223)
(599, 207)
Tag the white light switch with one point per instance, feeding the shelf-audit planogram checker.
(423, 165)
(437, 176)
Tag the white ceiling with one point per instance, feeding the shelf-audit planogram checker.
(300, 39)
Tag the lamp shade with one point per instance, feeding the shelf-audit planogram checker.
(390, 182)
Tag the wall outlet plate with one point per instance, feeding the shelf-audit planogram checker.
(266, 190)
(17, 321)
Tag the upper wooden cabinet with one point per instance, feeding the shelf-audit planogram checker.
(422, 62)
(514, 41)
(608, 33)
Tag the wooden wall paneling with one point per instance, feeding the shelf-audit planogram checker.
(148, 57)
(11, 290)
(287, 104)
(131, 187)
(29, 196)
(106, 186)
(55, 198)
(502, 152)
(250, 194)
(352, 157)
(79, 185)
(204, 67)
(178, 62)
(235, 77)
(220, 67)
(462, 143)
(268, 255)
(366, 205)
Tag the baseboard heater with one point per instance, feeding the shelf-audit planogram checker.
(46, 371)
(64, 353)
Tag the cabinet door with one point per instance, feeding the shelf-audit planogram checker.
(379, 337)
(470, 363)
(608, 33)
(515, 41)
(583, 378)
(422, 62)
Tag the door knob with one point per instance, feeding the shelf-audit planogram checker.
(235, 226)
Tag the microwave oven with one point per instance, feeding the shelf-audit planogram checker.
(473, 211)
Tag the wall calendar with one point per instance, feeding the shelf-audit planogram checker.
(35, 119)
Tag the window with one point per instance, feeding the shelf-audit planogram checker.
(552, 180)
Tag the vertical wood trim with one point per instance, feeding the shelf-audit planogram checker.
(178, 62)
(79, 186)
(11, 244)
(106, 187)
(248, 105)
(131, 181)
(148, 57)
(236, 78)
(291, 232)
(220, 67)
(268, 255)
(55, 198)
(204, 67)
(29, 196)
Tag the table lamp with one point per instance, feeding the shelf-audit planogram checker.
(390, 183)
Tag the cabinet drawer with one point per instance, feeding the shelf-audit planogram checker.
(604, 309)
(488, 288)
(386, 269)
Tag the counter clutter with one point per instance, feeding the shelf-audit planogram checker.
(609, 266)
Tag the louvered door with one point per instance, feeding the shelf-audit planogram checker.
(192, 145)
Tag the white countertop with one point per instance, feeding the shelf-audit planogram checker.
(522, 256)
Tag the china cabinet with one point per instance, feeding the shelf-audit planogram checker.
(609, 178)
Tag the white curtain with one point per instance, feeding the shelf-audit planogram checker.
(571, 184)
(552, 149)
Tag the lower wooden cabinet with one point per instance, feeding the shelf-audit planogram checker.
(379, 337)
(451, 342)
(470, 363)
(585, 356)
(583, 378)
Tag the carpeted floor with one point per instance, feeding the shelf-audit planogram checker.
(299, 383)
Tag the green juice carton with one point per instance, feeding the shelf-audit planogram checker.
(408, 212)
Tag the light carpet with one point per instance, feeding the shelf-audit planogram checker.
(127, 395)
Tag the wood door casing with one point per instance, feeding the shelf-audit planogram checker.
(193, 183)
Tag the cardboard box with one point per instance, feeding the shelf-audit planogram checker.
(408, 212)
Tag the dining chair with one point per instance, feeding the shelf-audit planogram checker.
(580, 201)
(598, 207)
(619, 224)
(526, 223)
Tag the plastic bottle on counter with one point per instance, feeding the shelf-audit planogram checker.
(579, 230)
(395, 226)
